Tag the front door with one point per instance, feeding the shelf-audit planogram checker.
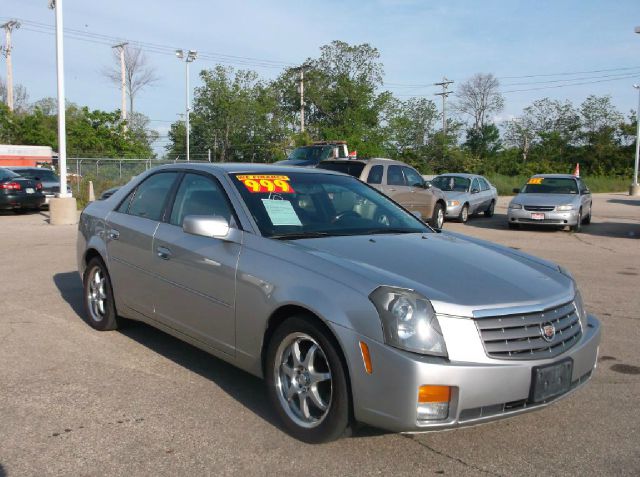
(422, 199)
(196, 275)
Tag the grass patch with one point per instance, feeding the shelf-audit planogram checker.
(81, 190)
(506, 184)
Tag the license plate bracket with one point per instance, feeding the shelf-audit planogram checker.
(537, 216)
(551, 380)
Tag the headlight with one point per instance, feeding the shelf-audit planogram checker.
(408, 321)
(453, 203)
(580, 309)
(515, 206)
(565, 207)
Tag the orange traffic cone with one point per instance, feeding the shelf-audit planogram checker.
(577, 171)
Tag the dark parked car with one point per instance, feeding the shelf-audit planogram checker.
(49, 180)
(19, 193)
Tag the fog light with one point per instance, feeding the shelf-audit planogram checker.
(433, 402)
(435, 411)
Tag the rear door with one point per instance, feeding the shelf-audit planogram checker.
(395, 186)
(196, 275)
(130, 238)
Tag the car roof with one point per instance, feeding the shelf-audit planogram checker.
(556, 176)
(459, 174)
(246, 168)
(372, 160)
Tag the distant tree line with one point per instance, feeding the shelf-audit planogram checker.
(241, 117)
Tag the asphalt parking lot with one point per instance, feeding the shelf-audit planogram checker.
(74, 401)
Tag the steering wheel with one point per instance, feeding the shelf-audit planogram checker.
(346, 214)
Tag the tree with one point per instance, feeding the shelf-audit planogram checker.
(410, 124)
(20, 96)
(138, 73)
(483, 142)
(478, 97)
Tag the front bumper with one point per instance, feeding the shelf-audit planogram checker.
(453, 211)
(481, 392)
(521, 216)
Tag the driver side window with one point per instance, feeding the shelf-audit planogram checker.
(199, 195)
(475, 185)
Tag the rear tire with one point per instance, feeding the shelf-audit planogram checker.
(490, 210)
(464, 214)
(437, 220)
(99, 305)
(307, 382)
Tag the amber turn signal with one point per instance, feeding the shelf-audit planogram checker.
(366, 357)
(429, 393)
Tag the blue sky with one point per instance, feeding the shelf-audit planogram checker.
(420, 41)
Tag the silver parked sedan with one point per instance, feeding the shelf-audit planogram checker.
(551, 199)
(348, 306)
(467, 194)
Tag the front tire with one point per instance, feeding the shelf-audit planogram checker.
(464, 214)
(437, 218)
(587, 219)
(99, 305)
(490, 210)
(307, 381)
(578, 226)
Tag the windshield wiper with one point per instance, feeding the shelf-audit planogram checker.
(300, 235)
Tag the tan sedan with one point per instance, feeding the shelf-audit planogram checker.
(397, 180)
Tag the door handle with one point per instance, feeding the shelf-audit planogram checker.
(164, 253)
(392, 190)
(113, 234)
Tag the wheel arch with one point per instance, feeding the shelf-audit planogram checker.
(285, 312)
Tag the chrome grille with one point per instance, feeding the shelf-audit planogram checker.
(520, 336)
(539, 208)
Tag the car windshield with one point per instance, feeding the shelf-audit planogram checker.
(452, 183)
(352, 168)
(550, 185)
(302, 205)
(39, 174)
(311, 153)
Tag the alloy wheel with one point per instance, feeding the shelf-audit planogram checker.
(303, 380)
(96, 294)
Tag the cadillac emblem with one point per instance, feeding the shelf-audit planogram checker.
(547, 331)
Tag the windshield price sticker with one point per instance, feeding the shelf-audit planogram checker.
(266, 183)
(535, 180)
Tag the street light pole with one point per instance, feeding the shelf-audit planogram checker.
(635, 188)
(62, 209)
(190, 57)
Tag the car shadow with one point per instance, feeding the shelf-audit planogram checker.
(635, 202)
(245, 388)
(604, 229)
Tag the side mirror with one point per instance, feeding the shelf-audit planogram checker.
(516, 191)
(417, 214)
(206, 226)
(475, 191)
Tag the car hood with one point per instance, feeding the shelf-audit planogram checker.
(459, 275)
(454, 195)
(545, 199)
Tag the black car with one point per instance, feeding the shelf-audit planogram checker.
(19, 193)
(49, 180)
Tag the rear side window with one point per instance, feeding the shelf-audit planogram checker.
(149, 197)
(394, 176)
(375, 175)
(199, 195)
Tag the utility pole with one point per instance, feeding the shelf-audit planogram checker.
(6, 51)
(190, 57)
(445, 86)
(123, 79)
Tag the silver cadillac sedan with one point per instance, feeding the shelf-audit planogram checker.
(557, 200)
(349, 307)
